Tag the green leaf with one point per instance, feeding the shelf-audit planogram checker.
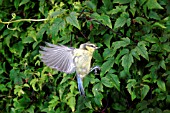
(135, 54)
(151, 39)
(106, 20)
(72, 102)
(108, 53)
(153, 4)
(122, 20)
(56, 26)
(106, 81)
(162, 64)
(15, 76)
(72, 19)
(91, 5)
(127, 61)
(154, 15)
(17, 48)
(142, 50)
(97, 87)
(140, 20)
(122, 52)
(130, 87)
(118, 9)
(107, 40)
(144, 91)
(3, 88)
(115, 81)
(97, 56)
(53, 103)
(161, 85)
(106, 66)
(122, 1)
(157, 24)
(118, 44)
(166, 46)
(23, 2)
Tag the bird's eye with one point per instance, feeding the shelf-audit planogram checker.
(91, 46)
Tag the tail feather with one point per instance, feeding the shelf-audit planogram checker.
(80, 85)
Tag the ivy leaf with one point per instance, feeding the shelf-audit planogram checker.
(142, 50)
(127, 61)
(144, 91)
(72, 19)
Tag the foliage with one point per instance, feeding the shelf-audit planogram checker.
(133, 36)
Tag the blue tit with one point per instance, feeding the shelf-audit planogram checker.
(70, 60)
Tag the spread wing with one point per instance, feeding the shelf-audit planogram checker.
(58, 57)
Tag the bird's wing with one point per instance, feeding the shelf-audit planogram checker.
(58, 57)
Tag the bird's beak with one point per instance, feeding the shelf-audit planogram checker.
(96, 47)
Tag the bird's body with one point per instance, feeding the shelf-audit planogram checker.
(69, 60)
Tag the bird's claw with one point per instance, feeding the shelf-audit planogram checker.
(96, 68)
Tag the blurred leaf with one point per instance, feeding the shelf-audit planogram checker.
(72, 102)
(161, 85)
(23, 2)
(3, 88)
(122, 1)
(72, 19)
(157, 24)
(162, 64)
(153, 4)
(58, 25)
(91, 5)
(17, 48)
(144, 91)
(151, 39)
(154, 15)
(53, 103)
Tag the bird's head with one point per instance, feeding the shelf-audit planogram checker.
(89, 47)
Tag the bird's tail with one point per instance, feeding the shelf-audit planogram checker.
(80, 85)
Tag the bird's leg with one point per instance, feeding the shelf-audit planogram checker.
(95, 68)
